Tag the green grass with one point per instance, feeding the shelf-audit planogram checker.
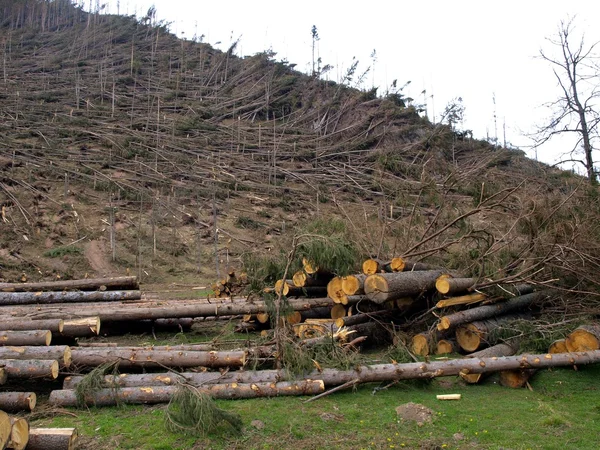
(563, 411)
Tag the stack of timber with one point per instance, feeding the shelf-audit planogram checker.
(16, 434)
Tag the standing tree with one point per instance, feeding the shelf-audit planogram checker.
(576, 110)
(315, 38)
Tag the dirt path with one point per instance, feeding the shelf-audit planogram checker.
(96, 254)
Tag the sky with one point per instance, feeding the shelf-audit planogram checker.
(485, 52)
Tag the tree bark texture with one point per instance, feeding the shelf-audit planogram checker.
(36, 298)
(19, 433)
(163, 394)
(52, 439)
(30, 368)
(25, 337)
(475, 335)
(53, 325)
(60, 353)
(17, 401)
(380, 288)
(88, 284)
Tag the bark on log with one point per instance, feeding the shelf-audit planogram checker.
(5, 427)
(558, 346)
(88, 284)
(317, 313)
(19, 433)
(495, 351)
(159, 310)
(93, 357)
(488, 311)
(475, 335)
(348, 321)
(378, 372)
(354, 284)
(141, 326)
(84, 327)
(52, 439)
(446, 285)
(53, 325)
(462, 300)
(391, 286)
(60, 353)
(37, 298)
(30, 368)
(585, 337)
(26, 337)
(163, 394)
(17, 401)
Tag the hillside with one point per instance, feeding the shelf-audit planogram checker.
(125, 148)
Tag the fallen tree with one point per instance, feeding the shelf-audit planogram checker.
(25, 337)
(30, 368)
(35, 298)
(52, 439)
(382, 287)
(88, 284)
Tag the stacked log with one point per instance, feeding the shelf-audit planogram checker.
(585, 337)
(52, 439)
(17, 401)
(475, 335)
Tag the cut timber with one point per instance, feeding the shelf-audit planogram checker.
(61, 353)
(446, 346)
(262, 317)
(516, 378)
(448, 397)
(421, 344)
(302, 279)
(93, 357)
(317, 313)
(293, 318)
(5, 428)
(354, 284)
(488, 311)
(585, 337)
(363, 318)
(364, 374)
(88, 284)
(163, 394)
(30, 368)
(17, 401)
(25, 337)
(462, 300)
(19, 433)
(380, 288)
(36, 298)
(490, 352)
(53, 325)
(335, 291)
(52, 439)
(283, 287)
(372, 266)
(475, 335)
(309, 267)
(445, 285)
(338, 312)
(85, 327)
(558, 346)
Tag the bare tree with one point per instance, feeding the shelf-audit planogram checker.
(576, 110)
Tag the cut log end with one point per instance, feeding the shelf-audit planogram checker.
(370, 266)
(558, 346)
(468, 337)
(19, 434)
(583, 339)
(420, 344)
(5, 428)
(338, 311)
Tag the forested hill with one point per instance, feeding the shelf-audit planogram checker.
(126, 148)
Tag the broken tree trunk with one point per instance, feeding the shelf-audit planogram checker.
(488, 311)
(30, 368)
(585, 337)
(17, 401)
(382, 287)
(19, 433)
(495, 351)
(52, 439)
(5, 427)
(93, 357)
(88, 284)
(36, 298)
(53, 325)
(163, 394)
(60, 353)
(26, 337)
(473, 336)
(448, 285)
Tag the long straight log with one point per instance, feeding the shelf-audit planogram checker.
(88, 284)
(60, 353)
(93, 357)
(373, 373)
(26, 337)
(448, 285)
(17, 401)
(473, 336)
(36, 298)
(52, 439)
(53, 325)
(382, 287)
(19, 433)
(30, 368)
(158, 311)
(488, 311)
(163, 394)
(503, 349)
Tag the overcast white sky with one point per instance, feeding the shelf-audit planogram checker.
(465, 48)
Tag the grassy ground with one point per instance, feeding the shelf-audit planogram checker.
(562, 412)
